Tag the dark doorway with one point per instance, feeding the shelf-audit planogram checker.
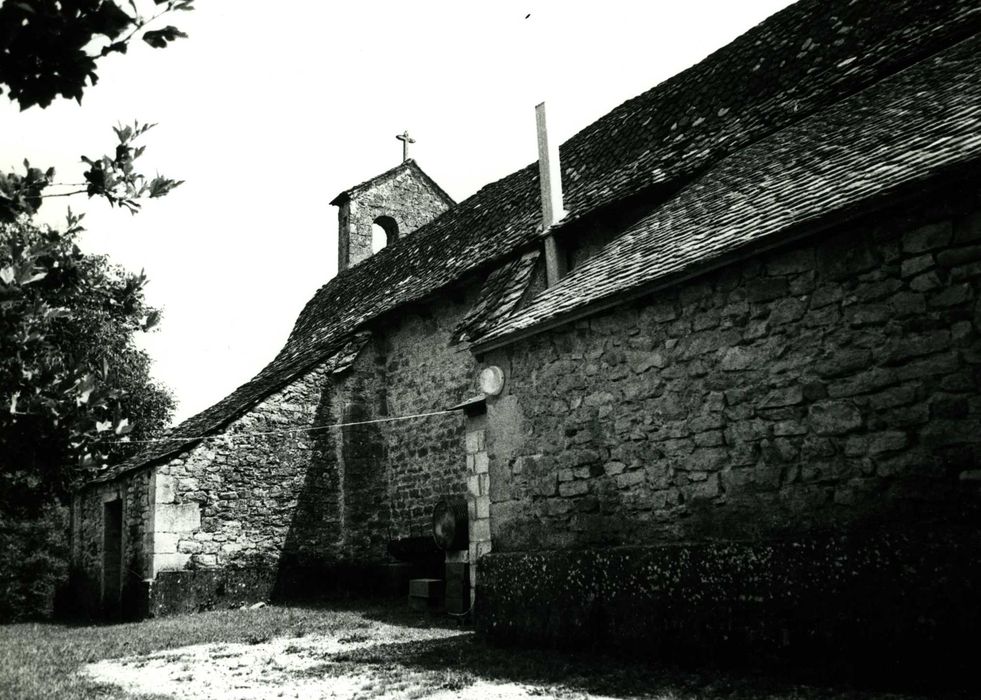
(112, 557)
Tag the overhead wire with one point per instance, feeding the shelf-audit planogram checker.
(288, 431)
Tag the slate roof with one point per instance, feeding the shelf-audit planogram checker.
(248, 394)
(802, 59)
(502, 290)
(902, 130)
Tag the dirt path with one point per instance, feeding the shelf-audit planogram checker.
(315, 666)
(354, 652)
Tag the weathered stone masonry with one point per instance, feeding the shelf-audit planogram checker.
(424, 373)
(405, 197)
(828, 390)
(227, 503)
(244, 483)
(248, 515)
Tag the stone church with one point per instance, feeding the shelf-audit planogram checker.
(706, 376)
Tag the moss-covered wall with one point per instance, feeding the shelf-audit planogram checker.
(898, 607)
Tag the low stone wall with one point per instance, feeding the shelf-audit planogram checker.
(884, 605)
(292, 581)
(194, 590)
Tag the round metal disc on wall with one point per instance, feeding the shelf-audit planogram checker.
(491, 380)
(451, 524)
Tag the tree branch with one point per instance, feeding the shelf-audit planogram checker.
(138, 24)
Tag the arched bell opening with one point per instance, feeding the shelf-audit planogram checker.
(384, 231)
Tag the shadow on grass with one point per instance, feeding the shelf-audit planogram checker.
(45, 651)
(556, 672)
(589, 671)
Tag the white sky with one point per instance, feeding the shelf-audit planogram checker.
(268, 110)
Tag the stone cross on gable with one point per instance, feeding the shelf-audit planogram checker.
(406, 140)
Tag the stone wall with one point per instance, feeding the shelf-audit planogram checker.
(231, 501)
(360, 450)
(826, 389)
(251, 515)
(424, 374)
(829, 383)
(406, 197)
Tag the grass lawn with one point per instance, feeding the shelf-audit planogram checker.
(41, 660)
(357, 651)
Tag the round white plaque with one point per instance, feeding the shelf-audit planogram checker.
(491, 380)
